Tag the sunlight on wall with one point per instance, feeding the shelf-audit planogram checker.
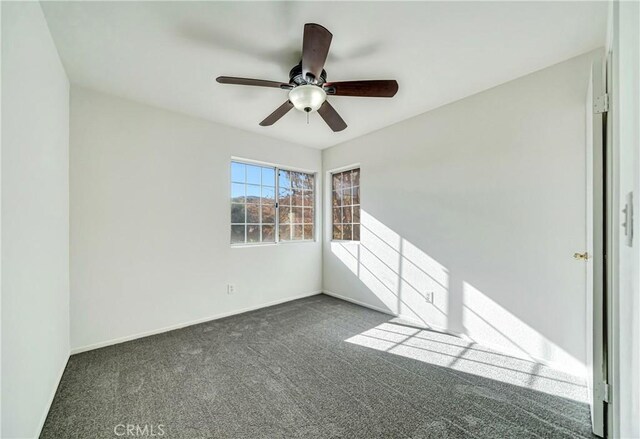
(423, 277)
(379, 262)
(466, 356)
(403, 277)
(490, 324)
(406, 279)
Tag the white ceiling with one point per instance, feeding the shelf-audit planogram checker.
(168, 54)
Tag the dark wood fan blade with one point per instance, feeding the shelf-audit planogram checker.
(315, 48)
(276, 115)
(255, 82)
(331, 117)
(373, 89)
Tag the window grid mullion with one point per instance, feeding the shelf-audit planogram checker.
(304, 199)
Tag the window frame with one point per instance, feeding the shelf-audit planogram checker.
(329, 204)
(277, 168)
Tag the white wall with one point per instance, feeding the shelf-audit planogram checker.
(625, 113)
(150, 222)
(482, 203)
(35, 219)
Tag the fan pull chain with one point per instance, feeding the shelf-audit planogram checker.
(307, 118)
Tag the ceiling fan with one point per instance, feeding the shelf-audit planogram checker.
(308, 86)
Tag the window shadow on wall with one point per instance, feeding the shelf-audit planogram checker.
(421, 290)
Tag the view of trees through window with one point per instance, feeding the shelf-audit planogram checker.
(345, 200)
(295, 201)
(253, 203)
(269, 204)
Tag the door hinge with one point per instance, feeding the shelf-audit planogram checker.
(606, 392)
(602, 392)
(601, 104)
(627, 215)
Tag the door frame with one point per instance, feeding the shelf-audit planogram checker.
(597, 188)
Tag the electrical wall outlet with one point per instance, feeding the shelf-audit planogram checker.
(428, 296)
(231, 288)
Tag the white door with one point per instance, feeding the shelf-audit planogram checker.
(595, 248)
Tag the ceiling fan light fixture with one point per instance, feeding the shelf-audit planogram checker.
(307, 97)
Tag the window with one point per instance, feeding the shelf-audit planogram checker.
(345, 201)
(253, 203)
(295, 205)
(270, 204)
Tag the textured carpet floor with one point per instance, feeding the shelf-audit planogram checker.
(313, 368)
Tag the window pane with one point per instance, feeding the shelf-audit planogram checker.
(268, 195)
(298, 180)
(346, 232)
(284, 233)
(268, 213)
(284, 196)
(355, 177)
(268, 234)
(346, 215)
(356, 214)
(253, 213)
(307, 215)
(297, 232)
(268, 176)
(337, 215)
(253, 193)
(237, 172)
(356, 232)
(237, 213)
(337, 182)
(308, 182)
(297, 214)
(337, 231)
(308, 232)
(296, 197)
(337, 199)
(254, 174)
(307, 197)
(237, 192)
(283, 179)
(346, 179)
(356, 195)
(346, 197)
(237, 234)
(253, 233)
(285, 214)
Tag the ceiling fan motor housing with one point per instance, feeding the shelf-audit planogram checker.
(296, 77)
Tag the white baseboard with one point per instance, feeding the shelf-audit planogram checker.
(408, 319)
(111, 342)
(53, 394)
(358, 302)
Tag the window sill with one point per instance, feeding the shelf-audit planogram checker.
(272, 244)
(300, 241)
(257, 244)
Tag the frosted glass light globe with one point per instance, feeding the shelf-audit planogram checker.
(307, 97)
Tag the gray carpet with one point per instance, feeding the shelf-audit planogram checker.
(313, 368)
